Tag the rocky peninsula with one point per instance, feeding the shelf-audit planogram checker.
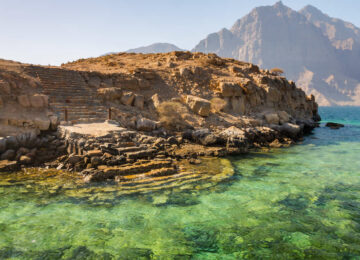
(137, 117)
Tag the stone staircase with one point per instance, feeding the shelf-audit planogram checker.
(68, 90)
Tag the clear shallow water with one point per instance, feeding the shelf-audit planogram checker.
(302, 202)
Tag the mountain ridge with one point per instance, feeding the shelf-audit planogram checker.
(317, 51)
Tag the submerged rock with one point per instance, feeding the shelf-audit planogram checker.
(333, 125)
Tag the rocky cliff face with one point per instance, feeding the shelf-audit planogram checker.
(318, 52)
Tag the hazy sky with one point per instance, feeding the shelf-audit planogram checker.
(57, 31)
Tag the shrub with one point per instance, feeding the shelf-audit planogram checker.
(217, 104)
(171, 114)
(277, 71)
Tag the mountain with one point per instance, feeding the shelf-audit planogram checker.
(156, 48)
(320, 53)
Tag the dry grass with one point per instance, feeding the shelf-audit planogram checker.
(217, 104)
(171, 115)
(277, 71)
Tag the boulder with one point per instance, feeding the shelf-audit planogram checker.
(12, 142)
(8, 155)
(54, 122)
(110, 94)
(185, 72)
(24, 159)
(156, 100)
(290, 130)
(93, 153)
(139, 101)
(272, 118)
(42, 123)
(200, 106)
(127, 98)
(233, 132)
(144, 124)
(39, 101)
(2, 144)
(284, 117)
(73, 159)
(230, 89)
(333, 125)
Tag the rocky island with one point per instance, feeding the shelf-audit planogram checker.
(132, 117)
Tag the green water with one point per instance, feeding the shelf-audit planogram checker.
(301, 202)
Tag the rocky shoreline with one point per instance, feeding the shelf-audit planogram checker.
(123, 154)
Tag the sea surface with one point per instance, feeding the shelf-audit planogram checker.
(301, 202)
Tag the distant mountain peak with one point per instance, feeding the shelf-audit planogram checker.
(159, 47)
(279, 4)
(308, 44)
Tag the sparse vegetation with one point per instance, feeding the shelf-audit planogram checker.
(217, 104)
(171, 114)
(277, 71)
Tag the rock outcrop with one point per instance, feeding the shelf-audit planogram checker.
(162, 109)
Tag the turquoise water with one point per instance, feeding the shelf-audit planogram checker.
(301, 202)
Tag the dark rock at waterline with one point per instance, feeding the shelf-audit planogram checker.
(8, 166)
(333, 125)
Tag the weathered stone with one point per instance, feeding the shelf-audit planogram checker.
(54, 122)
(95, 161)
(8, 166)
(172, 140)
(93, 153)
(139, 101)
(12, 142)
(284, 117)
(230, 89)
(291, 130)
(272, 118)
(24, 159)
(144, 124)
(156, 100)
(42, 123)
(199, 105)
(73, 159)
(22, 151)
(233, 132)
(238, 105)
(24, 101)
(185, 72)
(2, 144)
(333, 125)
(8, 155)
(141, 154)
(94, 82)
(39, 101)
(127, 98)
(110, 94)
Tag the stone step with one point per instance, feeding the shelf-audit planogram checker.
(171, 185)
(140, 154)
(157, 179)
(153, 173)
(124, 150)
(132, 169)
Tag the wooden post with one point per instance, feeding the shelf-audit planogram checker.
(109, 113)
(66, 115)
